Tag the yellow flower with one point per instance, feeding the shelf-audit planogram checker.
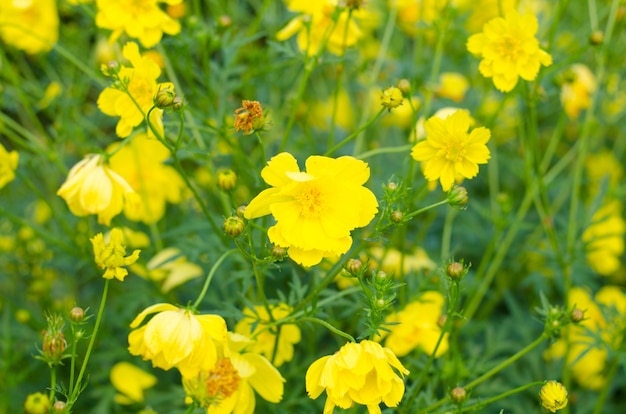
(257, 319)
(364, 373)
(8, 165)
(449, 151)
(130, 381)
(29, 25)
(316, 210)
(577, 89)
(178, 338)
(417, 326)
(141, 163)
(411, 13)
(452, 86)
(169, 268)
(314, 22)
(603, 166)
(509, 50)
(92, 187)
(553, 396)
(605, 239)
(133, 97)
(391, 98)
(110, 256)
(37, 403)
(230, 386)
(140, 19)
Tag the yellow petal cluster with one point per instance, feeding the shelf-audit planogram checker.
(131, 382)
(363, 373)
(177, 338)
(169, 268)
(142, 163)
(8, 165)
(604, 239)
(139, 19)
(111, 256)
(553, 396)
(256, 320)
(576, 91)
(29, 25)
(92, 187)
(449, 151)
(315, 210)
(509, 50)
(133, 95)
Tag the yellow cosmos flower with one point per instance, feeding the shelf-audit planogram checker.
(141, 163)
(605, 239)
(257, 319)
(92, 187)
(449, 151)
(553, 396)
(577, 89)
(37, 403)
(133, 97)
(8, 165)
(452, 86)
(140, 19)
(316, 210)
(587, 358)
(603, 166)
(111, 255)
(509, 50)
(177, 338)
(417, 326)
(364, 373)
(169, 269)
(130, 381)
(230, 386)
(314, 23)
(29, 25)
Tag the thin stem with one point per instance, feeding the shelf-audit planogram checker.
(505, 394)
(355, 133)
(328, 326)
(614, 364)
(209, 277)
(53, 382)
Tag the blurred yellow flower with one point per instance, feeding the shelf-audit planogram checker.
(92, 187)
(553, 396)
(37, 403)
(178, 338)
(576, 91)
(603, 166)
(452, 85)
(587, 358)
(417, 326)
(29, 25)
(449, 151)
(364, 373)
(169, 269)
(111, 256)
(410, 13)
(229, 387)
(509, 50)
(142, 164)
(257, 319)
(139, 19)
(605, 239)
(133, 95)
(130, 382)
(315, 210)
(8, 165)
(320, 113)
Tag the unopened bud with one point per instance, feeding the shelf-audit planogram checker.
(177, 104)
(240, 210)
(380, 303)
(458, 197)
(458, 395)
(278, 252)
(391, 98)
(224, 21)
(164, 98)
(441, 321)
(405, 86)
(111, 69)
(397, 216)
(59, 407)
(596, 38)
(77, 314)
(233, 226)
(381, 275)
(577, 315)
(455, 270)
(354, 266)
(392, 186)
(226, 179)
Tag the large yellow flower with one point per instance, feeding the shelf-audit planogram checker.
(29, 25)
(141, 163)
(92, 187)
(133, 95)
(111, 256)
(314, 210)
(509, 50)
(140, 19)
(605, 239)
(178, 338)
(257, 319)
(363, 373)
(449, 151)
(8, 165)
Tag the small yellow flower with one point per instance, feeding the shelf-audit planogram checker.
(139, 19)
(553, 396)
(449, 151)
(8, 165)
(364, 373)
(577, 89)
(92, 187)
(178, 338)
(29, 25)
(509, 50)
(37, 403)
(130, 381)
(452, 86)
(316, 210)
(605, 239)
(391, 98)
(257, 319)
(111, 256)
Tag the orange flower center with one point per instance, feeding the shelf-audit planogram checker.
(223, 380)
(311, 201)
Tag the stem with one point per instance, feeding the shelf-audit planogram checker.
(505, 394)
(209, 277)
(53, 383)
(355, 133)
(328, 326)
(605, 390)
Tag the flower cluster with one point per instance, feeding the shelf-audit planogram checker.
(111, 256)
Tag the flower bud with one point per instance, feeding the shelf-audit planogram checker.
(110, 69)
(577, 315)
(553, 396)
(392, 186)
(596, 38)
(458, 395)
(278, 252)
(397, 216)
(405, 86)
(458, 197)
(391, 98)
(77, 314)
(240, 210)
(59, 407)
(164, 98)
(233, 226)
(226, 179)
(354, 266)
(177, 104)
(53, 343)
(455, 270)
(224, 21)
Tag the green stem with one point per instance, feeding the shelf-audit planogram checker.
(614, 364)
(209, 277)
(505, 394)
(355, 133)
(446, 237)
(53, 383)
(191, 408)
(328, 326)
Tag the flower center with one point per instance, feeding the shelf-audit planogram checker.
(311, 202)
(454, 151)
(223, 380)
(509, 48)
(141, 90)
